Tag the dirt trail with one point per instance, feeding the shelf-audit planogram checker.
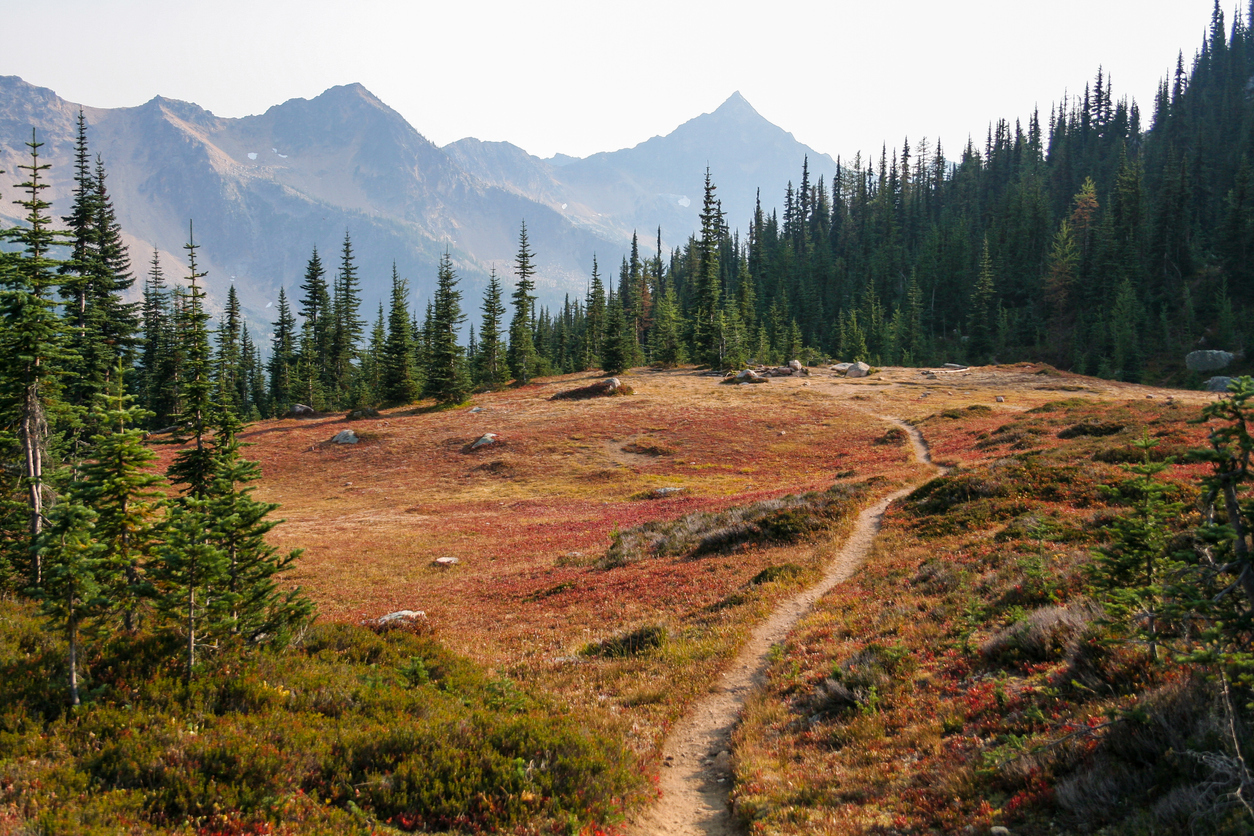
(697, 776)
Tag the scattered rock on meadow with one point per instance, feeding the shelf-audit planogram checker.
(841, 368)
(1218, 384)
(858, 369)
(445, 562)
(600, 389)
(484, 441)
(359, 414)
(955, 367)
(663, 493)
(299, 410)
(345, 437)
(747, 376)
(795, 365)
(1208, 361)
(1001, 399)
(399, 616)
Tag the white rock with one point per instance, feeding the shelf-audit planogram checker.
(795, 365)
(1001, 399)
(484, 441)
(401, 615)
(858, 369)
(445, 562)
(345, 437)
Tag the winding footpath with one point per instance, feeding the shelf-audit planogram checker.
(697, 777)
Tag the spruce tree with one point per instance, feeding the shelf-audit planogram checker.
(447, 380)
(252, 606)
(594, 319)
(314, 345)
(70, 591)
(282, 365)
(522, 349)
(193, 466)
(32, 339)
(398, 383)
(348, 324)
(490, 371)
(123, 491)
(157, 381)
(706, 328)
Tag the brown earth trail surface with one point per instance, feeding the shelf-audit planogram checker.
(695, 783)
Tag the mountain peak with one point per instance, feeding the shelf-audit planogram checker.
(737, 105)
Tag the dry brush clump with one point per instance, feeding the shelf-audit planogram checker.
(787, 519)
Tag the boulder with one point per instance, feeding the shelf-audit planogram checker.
(299, 410)
(781, 371)
(1218, 384)
(365, 412)
(345, 437)
(795, 365)
(484, 441)
(858, 369)
(400, 616)
(445, 562)
(841, 368)
(955, 367)
(748, 376)
(1001, 399)
(1208, 361)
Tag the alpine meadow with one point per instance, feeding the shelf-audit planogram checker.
(914, 496)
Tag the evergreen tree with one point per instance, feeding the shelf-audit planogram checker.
(348, 325)
(594, 319)
(252, 607)
(158, 381)
(32, 339)
(614, 351)
(667, 334)
(229, 359)
(124, 494)
(70, 592)
(706, 330)
(398, 383)
(314, 355)
(490, 357)
(282, 365)
(522, 356)
(447, 380)
(193, 466)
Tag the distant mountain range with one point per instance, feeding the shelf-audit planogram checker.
(264, 190)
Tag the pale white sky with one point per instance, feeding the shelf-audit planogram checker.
(581, 76)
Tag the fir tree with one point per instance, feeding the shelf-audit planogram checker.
(447, 380)
(522, 350)
(282, 365)
(348, 325)
(120, 487)
(32, 338)
(398, 382)
(594, 319)
(70, 592)
(490, 370)
(193, 466)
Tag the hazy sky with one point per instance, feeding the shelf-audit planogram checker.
(586, 76)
